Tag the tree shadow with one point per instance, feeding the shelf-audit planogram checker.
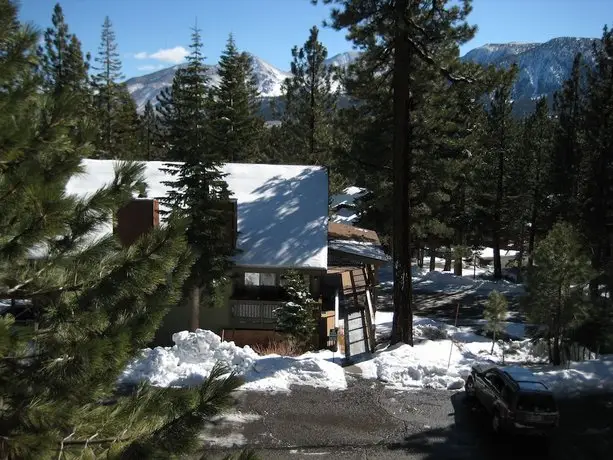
(470, 437)
(285, 224)
(585, 432)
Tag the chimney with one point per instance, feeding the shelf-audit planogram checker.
(136, 218)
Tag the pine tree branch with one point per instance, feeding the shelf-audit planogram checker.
(429, 59)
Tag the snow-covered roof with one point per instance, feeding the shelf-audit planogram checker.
(282, 209)
(345, 216)
(348, 197)
(366, 249)
(357, 241)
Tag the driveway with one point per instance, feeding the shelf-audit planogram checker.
(369, 421)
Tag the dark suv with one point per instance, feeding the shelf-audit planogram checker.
(515, 398)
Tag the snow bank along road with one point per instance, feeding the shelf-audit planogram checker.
(369, 421)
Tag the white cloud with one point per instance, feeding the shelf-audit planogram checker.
(174, 55)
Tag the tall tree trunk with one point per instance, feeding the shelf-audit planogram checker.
(534, 216)
(194, 306)
(422, 254)
(447, 267)
(520, 262)
(498, 217)
(432, 259)
(402, 329)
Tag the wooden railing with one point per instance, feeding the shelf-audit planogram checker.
(254, 314)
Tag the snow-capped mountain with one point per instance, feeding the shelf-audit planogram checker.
(269, 78)
(543, 67)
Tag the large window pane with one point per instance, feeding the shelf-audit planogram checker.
(268, 279)
(252, 279)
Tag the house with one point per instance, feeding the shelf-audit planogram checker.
(281, 215)
(350, 285)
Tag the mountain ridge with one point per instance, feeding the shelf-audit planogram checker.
(543, 67)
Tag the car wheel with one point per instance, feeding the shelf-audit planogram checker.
(469, 388)
(496, 424)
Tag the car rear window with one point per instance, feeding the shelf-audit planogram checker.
(536, 403)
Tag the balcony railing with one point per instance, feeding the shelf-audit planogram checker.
(254, 314)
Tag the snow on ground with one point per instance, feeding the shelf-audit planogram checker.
(215, 432)
(442, 356)
(576, 377)
(473, 280)
(447, 282)
(193, 356)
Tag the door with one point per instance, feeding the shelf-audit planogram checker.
(492, 388)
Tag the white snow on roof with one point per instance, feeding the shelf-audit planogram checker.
(361, 248)
(348, 197)
(282, 209)
(344, 216)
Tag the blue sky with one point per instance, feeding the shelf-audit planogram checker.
(154, 34)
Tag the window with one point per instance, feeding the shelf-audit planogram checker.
(495, 380)
(258, 286)
(260, 279)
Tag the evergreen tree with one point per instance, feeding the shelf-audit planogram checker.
(499, 146)
(537, 145)
(236, 126)
(116, 113)
(297, 315)
(399, 39)
(199, 191)
(595, 185)
(95, 304)
(309, 104)
(567, 144)
(555, 285)
(495, 312)
(150, 134)
(62, 63)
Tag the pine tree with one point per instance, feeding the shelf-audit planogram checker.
(402, 37)
(297, 315)
(595, 185)
(116, 112)
(150, 134)
(499, 144)
(199, 191)
(63, 67)
(62, 63)
(495, 312)
(95, 304)
(538, 146)
(309, 104)
(555, 285)
(236, 125)
(567, 144)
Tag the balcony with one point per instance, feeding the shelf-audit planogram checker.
(253, 314)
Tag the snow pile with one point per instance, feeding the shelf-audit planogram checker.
(421, 366)
(436, 281)
(593, 375)
(189, 361)
(442, 356)
(279, 373)
(194, 354)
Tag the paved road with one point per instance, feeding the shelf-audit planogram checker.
(368, 421)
